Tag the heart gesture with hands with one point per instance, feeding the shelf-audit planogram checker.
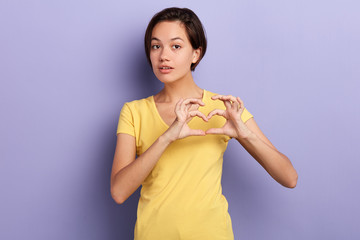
(234, 126)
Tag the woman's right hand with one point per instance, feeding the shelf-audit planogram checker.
(179, 128)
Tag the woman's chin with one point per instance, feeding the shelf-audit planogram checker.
(165, 79)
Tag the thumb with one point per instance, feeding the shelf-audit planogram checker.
(215, 131)
(197, 132)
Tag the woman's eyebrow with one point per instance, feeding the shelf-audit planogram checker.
(175, 38)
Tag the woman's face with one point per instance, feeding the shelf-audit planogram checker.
(171, 53)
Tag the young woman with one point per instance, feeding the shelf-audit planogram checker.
(180, 135)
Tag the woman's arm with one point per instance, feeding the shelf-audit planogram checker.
(253, 140)
(273, 161)
(127, 172)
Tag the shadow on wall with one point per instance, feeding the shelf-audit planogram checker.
(136, 79)
(124, 217)
(140, 82)
(148, 84)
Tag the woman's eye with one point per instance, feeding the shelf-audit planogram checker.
(155, 46)
(176, 46)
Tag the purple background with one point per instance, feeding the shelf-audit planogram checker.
(67, 67)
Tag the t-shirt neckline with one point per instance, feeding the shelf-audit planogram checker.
(159, 116)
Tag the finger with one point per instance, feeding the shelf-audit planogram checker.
(240, 102)
(179, 102)
(234, 102)
(227, 104)
(178, 105)
(224, 97)
(241, 107)
(195, 105)
(193, 100)
(215, 131)
(219, 112)
(216, 96)
(199, 114)
(235, 105)
(197, 132)
(228, 100)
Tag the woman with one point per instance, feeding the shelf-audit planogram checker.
(180, 135)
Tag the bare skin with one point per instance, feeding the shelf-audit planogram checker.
(177, 104)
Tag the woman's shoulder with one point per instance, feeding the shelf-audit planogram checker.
(210, 93)
(139, 103)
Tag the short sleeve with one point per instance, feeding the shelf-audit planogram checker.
(126, 121)
(246, 115)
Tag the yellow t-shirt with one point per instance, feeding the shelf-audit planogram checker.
(182, 196)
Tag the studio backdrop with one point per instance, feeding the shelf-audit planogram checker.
(67, 68)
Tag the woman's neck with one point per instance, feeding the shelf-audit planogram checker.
(172, 92)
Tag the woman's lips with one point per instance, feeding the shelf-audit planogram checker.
(165, 70)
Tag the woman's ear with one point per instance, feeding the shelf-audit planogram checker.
(196, 55)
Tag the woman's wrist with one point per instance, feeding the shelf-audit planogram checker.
(168, 137)
(164, 139)
(242, 131)
(172, 133)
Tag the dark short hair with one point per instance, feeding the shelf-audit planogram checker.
(194, 29)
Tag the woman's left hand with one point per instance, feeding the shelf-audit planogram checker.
(234, 126)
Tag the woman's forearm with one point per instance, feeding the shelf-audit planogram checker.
(128, 179)
(273, 161)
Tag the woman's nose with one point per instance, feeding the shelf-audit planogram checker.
(164, 55)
